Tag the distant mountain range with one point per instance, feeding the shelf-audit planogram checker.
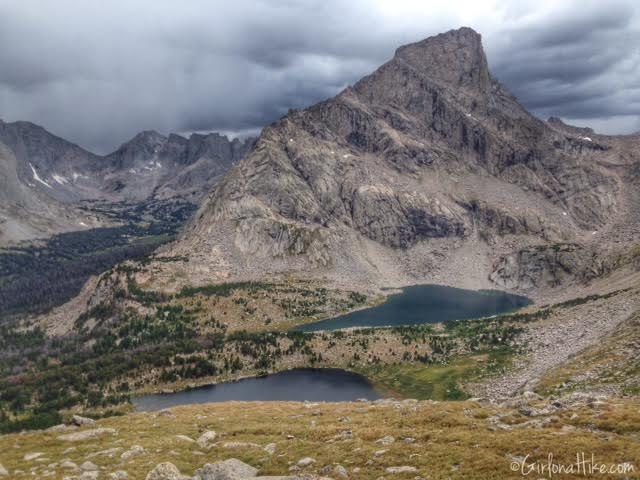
(44, 177)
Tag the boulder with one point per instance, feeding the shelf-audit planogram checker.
(165, 471)
(402, 469)
(206, 439)
(80, 421)
(93, 475)
(31, 456)
(86, 434)
(305, 462)
(89, 466)
(68, 464)
(3, 471)
(231, 469)
(340, 471)
(107, 452)
(240, 445)
(134, 451)
(386, 440)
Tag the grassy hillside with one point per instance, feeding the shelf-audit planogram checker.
(440, 440)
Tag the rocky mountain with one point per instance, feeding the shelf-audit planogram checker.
(50, 164)
(28, 212)
(426, 170)
(45, 176)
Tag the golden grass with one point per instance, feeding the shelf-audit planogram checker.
(452, 439)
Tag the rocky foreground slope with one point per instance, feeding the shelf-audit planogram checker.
(359, 440)
(426, 170)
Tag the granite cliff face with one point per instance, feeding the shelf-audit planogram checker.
(44, 177)
(426, 170)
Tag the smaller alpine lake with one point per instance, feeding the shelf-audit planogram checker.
(312, 384)
(421, 304)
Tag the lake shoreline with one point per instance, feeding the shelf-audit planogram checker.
(423, 304)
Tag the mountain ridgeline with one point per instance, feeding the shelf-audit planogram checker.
(45, 178)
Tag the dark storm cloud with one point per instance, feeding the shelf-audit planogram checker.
(98, 72)
(582, 63)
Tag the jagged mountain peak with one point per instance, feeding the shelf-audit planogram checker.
(46, 152)
(209, 135)
(144, 139)
(177, 139)
(21, 130)
(25, 125)
(141, 148)
(455, 58)
(444, 72)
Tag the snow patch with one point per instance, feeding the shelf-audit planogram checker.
(152, 165)
(76, 176)
(83, 224)
(37, 178)
(586, 139)
(60, 179)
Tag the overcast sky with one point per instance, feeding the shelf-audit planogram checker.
(97, 72)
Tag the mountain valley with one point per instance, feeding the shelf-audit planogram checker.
(67, 214)
(200, 260)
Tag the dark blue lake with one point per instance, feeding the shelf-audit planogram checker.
(313, 384)
(425, 304)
